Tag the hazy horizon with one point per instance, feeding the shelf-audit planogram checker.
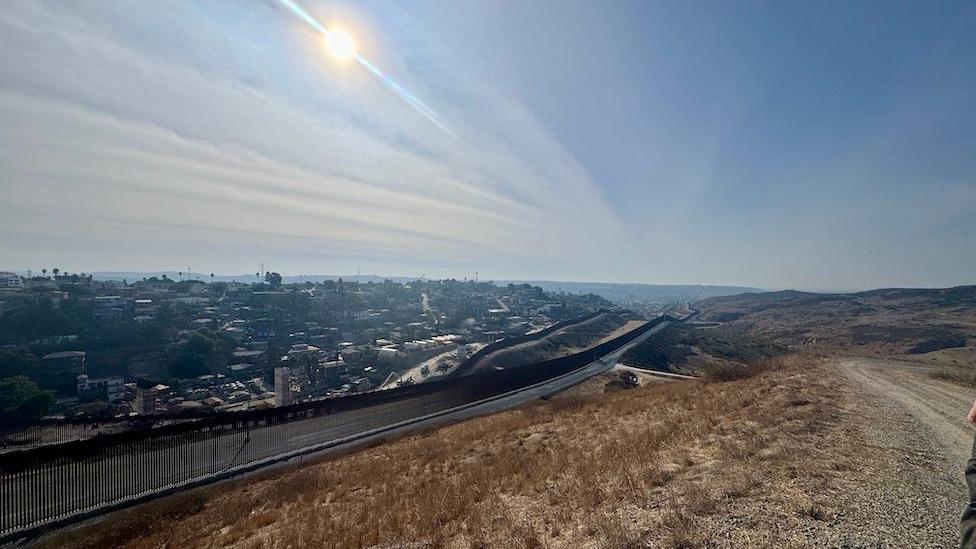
(291, 277)
(816, 146)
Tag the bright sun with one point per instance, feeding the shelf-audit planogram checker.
(340, 43)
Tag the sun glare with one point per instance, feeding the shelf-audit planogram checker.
(340, 44)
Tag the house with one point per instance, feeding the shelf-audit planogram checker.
(212, 402)
(64, 361)
(352, 356)
(244, 370)
(255, 357)
(111, 307)
(143, 310)
(112, 388)
(40, 283)
(262, 328)
(299, 349)
(386, 355)
(11, 280)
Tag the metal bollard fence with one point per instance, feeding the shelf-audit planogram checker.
(44, 484)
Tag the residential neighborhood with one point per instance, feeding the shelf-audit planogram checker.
(75, 346)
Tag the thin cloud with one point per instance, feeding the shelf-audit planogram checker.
(197, 142)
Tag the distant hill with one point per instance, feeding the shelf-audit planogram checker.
(937, 324)
(662, 293)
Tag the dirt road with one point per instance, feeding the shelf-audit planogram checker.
(911, 491)
(938, 405)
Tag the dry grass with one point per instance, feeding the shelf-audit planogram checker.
(667, 465)
(962, 375)
(882, 323)
(730, 371)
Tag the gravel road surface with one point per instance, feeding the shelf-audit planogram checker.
(912, 490)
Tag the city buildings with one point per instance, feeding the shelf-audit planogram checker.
(203, 348)
(11, 280)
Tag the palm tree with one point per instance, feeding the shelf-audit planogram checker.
(56, 271)
(44, 272)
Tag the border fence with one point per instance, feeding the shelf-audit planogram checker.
(59, 482)
(56, 431)
(466, 366)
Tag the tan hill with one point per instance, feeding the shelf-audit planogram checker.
(908, 323)
(697, 349)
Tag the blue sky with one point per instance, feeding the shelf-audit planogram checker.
(811, 145)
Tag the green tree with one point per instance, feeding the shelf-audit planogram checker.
(273, 279)
(38, 319)
(17, 362)
(21, 400)
(165, 314)
(195, 356)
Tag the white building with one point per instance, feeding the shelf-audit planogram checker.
(11, 280)
(282, 385)
(302, 349)
(145, 403)
(114, 386)
(386, 354)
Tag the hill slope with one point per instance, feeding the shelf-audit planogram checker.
(669, 465)
(921, 324)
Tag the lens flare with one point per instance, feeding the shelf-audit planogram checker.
(340, 44)
(342, 47)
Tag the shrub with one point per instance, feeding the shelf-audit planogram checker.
(731, 371)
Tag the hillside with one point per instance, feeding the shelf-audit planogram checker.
(566, 341)
(696, 349)
(929, 325)
(666, 464)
